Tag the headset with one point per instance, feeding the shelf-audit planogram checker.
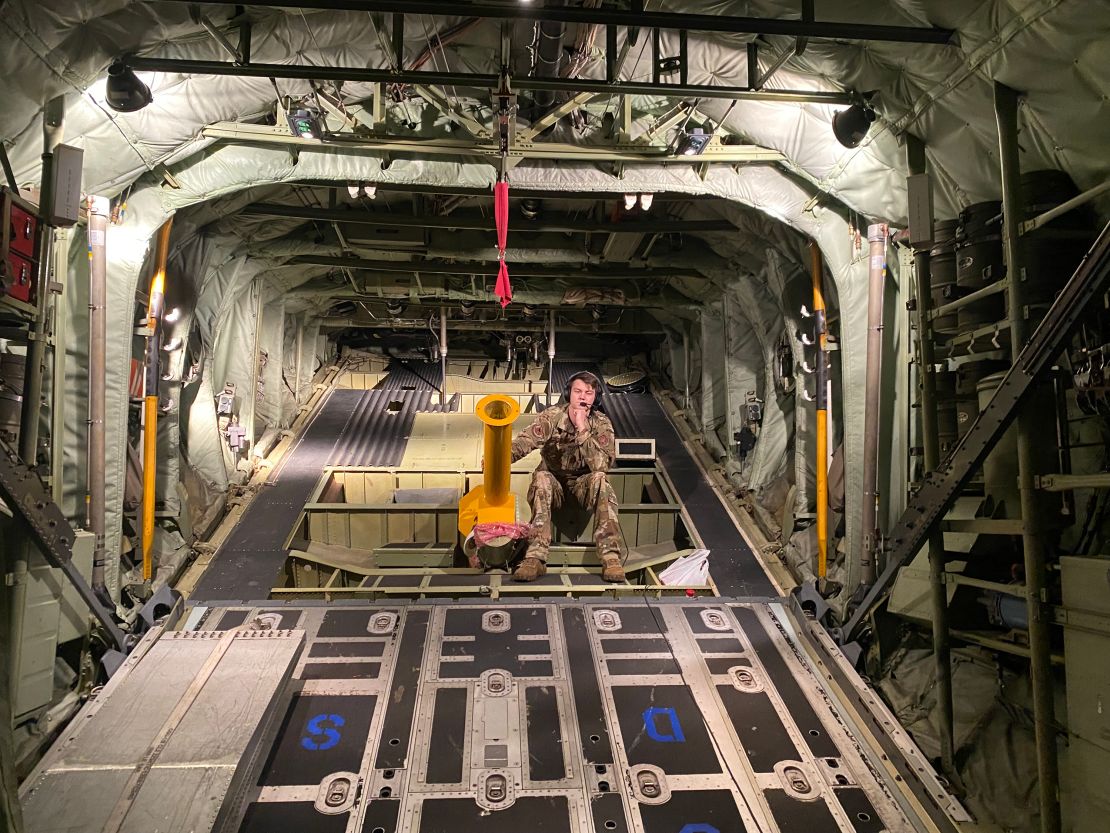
(590, 379)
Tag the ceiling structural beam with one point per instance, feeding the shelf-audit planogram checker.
(631, 153)
(574, 271)
(546, 223)
(336, 108)
(484, 82)
(553, 115)
(238, 55)
(441, 103)
(550, 299)
(554, 196)
(644, 323)
(618, 17)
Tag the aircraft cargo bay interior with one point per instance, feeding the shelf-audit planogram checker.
(572, 416)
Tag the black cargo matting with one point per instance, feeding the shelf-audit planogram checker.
(571, 742)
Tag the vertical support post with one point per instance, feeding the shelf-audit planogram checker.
(150, 401)
(876, 237)
(256, 373)
(686, 367)
(443, 355)
(98, 346)
(300, 351)
(52, 125)
(729, 443)
(822, 377)
(930, 440)
(610, 53)
(58, 394)
(1036, 570)
(550, 358)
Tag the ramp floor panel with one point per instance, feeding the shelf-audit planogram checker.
(570, 716)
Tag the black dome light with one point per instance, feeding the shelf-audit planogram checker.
(125, 92)
(851, 125)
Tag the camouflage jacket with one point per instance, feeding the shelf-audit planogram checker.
(564, 449)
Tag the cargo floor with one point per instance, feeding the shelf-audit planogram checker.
(673, 716)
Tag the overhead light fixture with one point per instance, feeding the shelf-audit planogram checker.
(851, 125)
(172, 316)
(394, 308)
(125, 93)
(629, 202)
(466, 309)
(645, 201)
(694, 142)
(306, 123)
(359, 190)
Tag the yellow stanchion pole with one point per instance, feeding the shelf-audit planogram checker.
(822, 415)
(150, 403)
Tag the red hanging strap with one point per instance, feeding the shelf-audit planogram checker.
(503, 288)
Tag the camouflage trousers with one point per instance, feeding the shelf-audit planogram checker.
(593, 492)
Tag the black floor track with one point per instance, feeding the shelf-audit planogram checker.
(732, 564)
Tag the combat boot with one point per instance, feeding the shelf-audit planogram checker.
(611, 569)
(530, 569)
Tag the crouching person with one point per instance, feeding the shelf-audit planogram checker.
(577, 446)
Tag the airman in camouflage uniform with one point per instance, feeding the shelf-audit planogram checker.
(578, 447)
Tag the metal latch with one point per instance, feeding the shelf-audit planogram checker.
(745, 679)
(495, 790)
(795, 780)
(496, 682)
(337, 793)
(382, 623)
(607, 620)
(649, 784)
(496, 621)
(715, 620)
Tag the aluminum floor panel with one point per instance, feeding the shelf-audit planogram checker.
(535, 716)
(165, 740)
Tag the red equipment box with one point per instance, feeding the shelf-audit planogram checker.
(19, 280)
(19, 227)
(23, 228)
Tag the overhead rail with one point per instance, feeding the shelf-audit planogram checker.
(525, 270)
(630, 152)
(548, 223)
(941, 487)
(635, 18)
(474, 80)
